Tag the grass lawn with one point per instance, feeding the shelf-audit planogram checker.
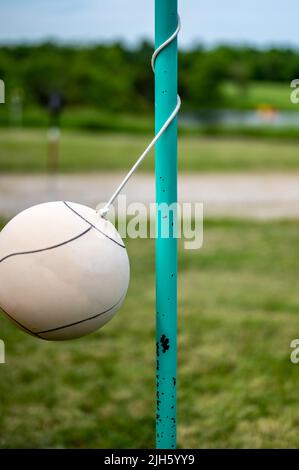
(239, 311)
(26, 150)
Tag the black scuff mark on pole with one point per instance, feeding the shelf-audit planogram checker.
(164, 341)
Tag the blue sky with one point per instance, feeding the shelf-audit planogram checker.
(260, 22)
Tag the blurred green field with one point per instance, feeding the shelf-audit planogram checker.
(256, 94)
(238, 312)
(83, 118)
(26, 150)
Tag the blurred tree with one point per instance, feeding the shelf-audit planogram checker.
(116, 78)
(204, 79)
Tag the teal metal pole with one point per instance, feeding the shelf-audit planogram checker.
(166, 246)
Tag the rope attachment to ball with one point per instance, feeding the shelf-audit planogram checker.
(104, 210)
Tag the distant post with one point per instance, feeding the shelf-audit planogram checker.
(16, 107)
(166, 19)
(54, 110)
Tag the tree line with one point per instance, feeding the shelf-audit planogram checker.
(116, 78)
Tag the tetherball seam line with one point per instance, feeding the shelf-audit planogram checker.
(82, 321)
(93, 226)
(65, 326)
(46, 249)
(18, 323)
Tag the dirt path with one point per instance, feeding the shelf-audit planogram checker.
(258, 196)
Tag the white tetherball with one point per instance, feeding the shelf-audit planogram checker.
(64, 270)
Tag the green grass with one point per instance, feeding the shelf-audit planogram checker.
(238, 312)
(84, 118)
(26, 150)
(272, 94)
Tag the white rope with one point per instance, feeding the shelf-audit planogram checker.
(165, 44)
(104, 211)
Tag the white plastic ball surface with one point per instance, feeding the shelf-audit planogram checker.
(64, 270)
